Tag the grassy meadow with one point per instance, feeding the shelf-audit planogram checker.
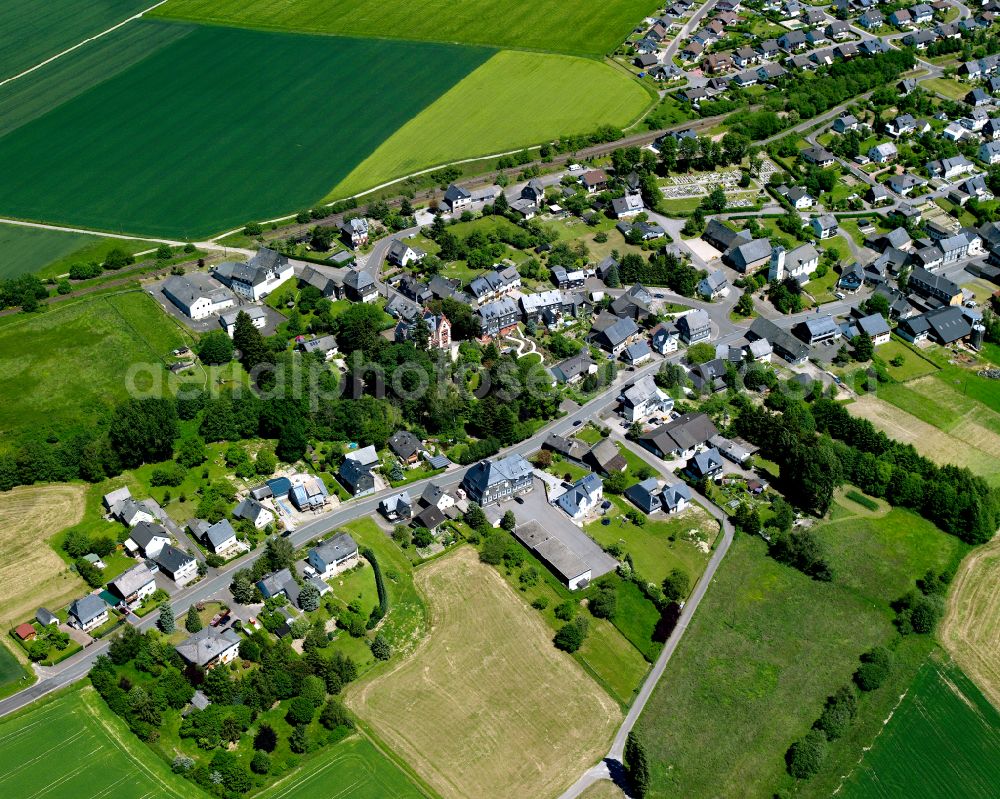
(942, 740)
(179, 144)
(769, 644)
(65, 365)
(532, 98)
(486, 706)
(50, 253)
(31, 32)
(591, 27)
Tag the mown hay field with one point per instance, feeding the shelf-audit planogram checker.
(942, 740)
(969, 438)
(584, 27)
(487, 707)
(971, 627)
(531, 98)
(31, 574)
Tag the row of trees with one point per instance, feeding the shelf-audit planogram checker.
(813, 465)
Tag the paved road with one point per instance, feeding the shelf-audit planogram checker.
(612, 762)
(218, 580)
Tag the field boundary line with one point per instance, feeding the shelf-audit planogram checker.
(78, 45)
(90, 232)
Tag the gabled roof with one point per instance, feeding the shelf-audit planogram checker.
(144, 533)
(404, 444)
(207, 644)
(339, 546)
(171, 559)
(132, 580)
(222, 531)
(87, 608)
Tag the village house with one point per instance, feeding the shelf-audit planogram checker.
(196, 297)
(256, 315)
(257, 278)
(146, 539)
(406, 446)
(583, 498)
(134, 585)
(333, 556)
(357, 471)
(88, 613)
(252, 510)
(694, 327)
(210, 647)
(397, 507)
(680, 437)
(178, 565)
(492, 481)
(642, 399)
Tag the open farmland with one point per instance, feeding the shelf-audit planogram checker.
(180, 143)
(586, 27)
(971, 445)
(942, 740)
(770, 643)
(50, 253)
(971, 627)
(487, 707)
(532, 98)
(78, 359)
(73, 745)
(31, 32)
(353, 769)
(31, 574)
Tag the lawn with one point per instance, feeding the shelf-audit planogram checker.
(532, 98)
(914, 364)
(768, 643)
(487, 706)
(31, 32)
(79, 358)
(31, 574)
(72, 745)
(942, 740)
(588, 28)
(821, 288)
(971, 627)
(951, 89)
(660, 545)
(165, 147)
(13, 676)
(353, 768)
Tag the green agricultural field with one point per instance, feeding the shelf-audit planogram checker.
(770, 643)
(532, 98)
(74, 746)
(13, 676)
(588, 27)
(353, 769)
(942, 740)
(181, 143)
(50, 253)
(36, 94)
(61, 366)
(31, 32)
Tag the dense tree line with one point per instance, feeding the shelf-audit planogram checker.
(665, 269)
(821, 445)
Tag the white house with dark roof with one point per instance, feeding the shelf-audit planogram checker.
(695, 327)
(257, 278)
(504, 478)
(196, 297)
(251, 509)
(333, 556)
(146, 539)
(583, 497)
(257, 316)
(210, 647)
(642, 399)
(133, 585)
(178, 565)
(221, 537)
(88, 613)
